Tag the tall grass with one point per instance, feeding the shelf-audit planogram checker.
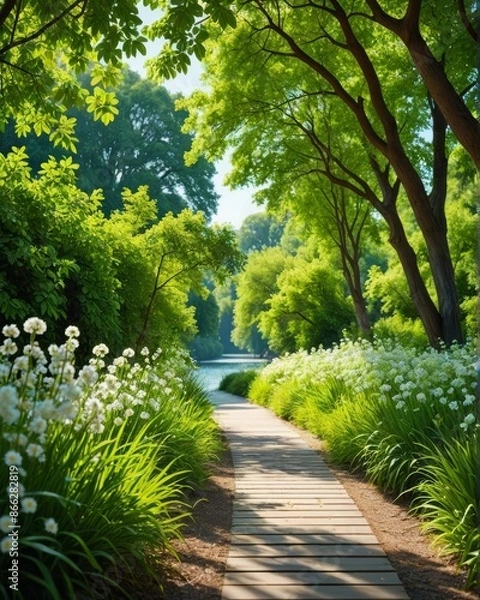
(404, 415)
(97, 459)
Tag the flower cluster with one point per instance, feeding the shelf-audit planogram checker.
(45, 392)
(445, 380)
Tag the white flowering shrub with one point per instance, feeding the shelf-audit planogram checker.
(95, 459)
(406, 416)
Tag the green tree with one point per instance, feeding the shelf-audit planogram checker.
(378, 110)
(388, 283)
(225, 296)
(292, 301)
(441, 45)
(310, 308)
(206, 344)
(259, 231)
(257, 283)
(144, 145)
(180, 250)
(122, 280)
(44, 46)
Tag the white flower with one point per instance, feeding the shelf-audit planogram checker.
(72, 344)
(469, 399)
(144, 415)
(45, 409)
(11, 331)
(35, 352)
(29, 505)
(8, 347)
(97, 427)
(145, 351)
(21, 439)
(117, 421)
(453, 405)
(100, 350)
(72, 331)
(467, 421)
(128, 353)
(35, 325)
(128, 412)
(399, 404)
(34, 450)
(8, 404)
(20, 363)
(9, 395)
(51, 526)
(6, 544)
(68, 373)
(87, 376)
(5, 523)
(421, 397)
(13, 458)
(70, 391)
(67, 411)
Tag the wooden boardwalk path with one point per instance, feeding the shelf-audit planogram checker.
(296, 534)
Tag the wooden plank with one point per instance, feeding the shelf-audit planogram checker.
(306, 550)
(303, 538)
(307, 521)
(327, 502)
(344, 578)
(306, 512)
(313, 592)
(316, 564)
(299, 529)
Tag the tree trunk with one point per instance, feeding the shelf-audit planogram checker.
(424, 305)
(434, 231)
(351, 272)
(461, 121)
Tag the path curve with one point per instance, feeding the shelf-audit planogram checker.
(296, 533)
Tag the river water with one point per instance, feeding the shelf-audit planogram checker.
(211, 372)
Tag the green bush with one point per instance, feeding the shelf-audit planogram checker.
(239, 383)
(260, 390)
(446, 501)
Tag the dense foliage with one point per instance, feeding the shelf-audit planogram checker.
(144, 145)
(124, 280)
(239, 383)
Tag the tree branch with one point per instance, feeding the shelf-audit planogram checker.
(472, 32)
(44, 28)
